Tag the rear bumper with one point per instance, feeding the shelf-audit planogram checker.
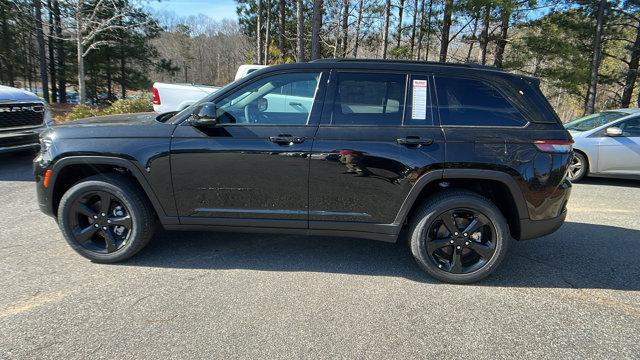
(531, 229)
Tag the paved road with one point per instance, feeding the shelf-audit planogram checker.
(571, 294)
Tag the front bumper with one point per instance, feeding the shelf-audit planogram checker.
(17, 140)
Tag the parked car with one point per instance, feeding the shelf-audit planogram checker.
(606, 144)
(23, 116)
(461, 159)
(176, 97)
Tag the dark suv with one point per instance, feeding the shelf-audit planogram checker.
(459, 159)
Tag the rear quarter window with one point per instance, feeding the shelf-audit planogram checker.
(472, 102)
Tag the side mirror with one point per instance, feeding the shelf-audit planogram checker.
(613, 131)
(204, 115)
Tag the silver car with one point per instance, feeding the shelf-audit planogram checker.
(606, 144)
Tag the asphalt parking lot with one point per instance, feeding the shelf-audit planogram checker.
(575, 293)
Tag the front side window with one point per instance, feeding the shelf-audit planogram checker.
(630, 128)
(282, 99)
(472, 102)
(593, 121)
(369, 99)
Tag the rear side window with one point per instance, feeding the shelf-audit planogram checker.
(472, 102)
(369, 99)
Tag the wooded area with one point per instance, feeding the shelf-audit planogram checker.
(586, 52)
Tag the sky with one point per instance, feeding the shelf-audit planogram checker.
(215, 9)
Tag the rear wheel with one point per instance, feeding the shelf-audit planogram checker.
(577, 167)
(106, 218)
(459, 237)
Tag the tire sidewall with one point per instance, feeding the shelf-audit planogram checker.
(135, 212)
(500, 229)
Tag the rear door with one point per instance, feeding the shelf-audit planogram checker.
(376, 138)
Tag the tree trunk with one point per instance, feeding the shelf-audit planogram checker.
(52, 56)
(300, 19)
(473, 36)
(62, 83)
(267, 36)
(42, 59)
(632, 72)
(421, 30)
(413, 27)
(4, 46)
(446, 27)
(345, 27)
(504, 32)
(82, 91)
(400, 15)
(385, 31)
(358, 24)
(315, 29)
(123, 77)
(259, 58)
(428, 47)
(484, 35)
(281, 17)
(595, 63)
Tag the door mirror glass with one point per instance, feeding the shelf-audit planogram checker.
(613, 131)
(204, 115)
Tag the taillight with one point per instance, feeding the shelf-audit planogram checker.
(156, 96)
(554, 146)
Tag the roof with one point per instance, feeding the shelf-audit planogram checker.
(408, 62)
(628, 111)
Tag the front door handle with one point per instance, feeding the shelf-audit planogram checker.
(286, 139)
(411, 141)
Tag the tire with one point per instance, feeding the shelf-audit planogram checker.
(428, 231)
(578, 167)
(128, 207)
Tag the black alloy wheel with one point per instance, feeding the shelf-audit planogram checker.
(101, 222)
(460, 241)
(459, 236)
(106, 218)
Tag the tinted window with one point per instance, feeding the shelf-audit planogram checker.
(283, 99)
(369, 99)
(472, 102)
(630, 128)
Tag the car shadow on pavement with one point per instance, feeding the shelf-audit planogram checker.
(577, 256)
(17, 166)
(610, 182)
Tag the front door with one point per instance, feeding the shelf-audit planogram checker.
(252, 168)
(621, 154)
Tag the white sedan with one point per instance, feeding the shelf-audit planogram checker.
(606, 144)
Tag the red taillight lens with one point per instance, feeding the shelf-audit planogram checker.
(156, 96)
(554, 146)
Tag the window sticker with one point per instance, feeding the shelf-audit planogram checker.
(419, 102)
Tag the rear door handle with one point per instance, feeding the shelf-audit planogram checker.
(286, 139)
(414, 141)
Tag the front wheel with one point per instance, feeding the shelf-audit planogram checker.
(459, 237)
(106, 218)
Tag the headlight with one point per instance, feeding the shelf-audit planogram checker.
(46, 140)
(48, 118)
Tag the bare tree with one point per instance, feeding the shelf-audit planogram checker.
(60, 58)
(484, 34)
(44, 79)
(632, 72)
(400, 15)
(300, 35)
(446, 27)
(358, 24)
(345, 27)
(281, 32)
(413, 27)
(421, 30)
(385, 31)
(315, 29)
(505, 16)
(267, 33)
(595, 62)
(52, 56)
(259, 58)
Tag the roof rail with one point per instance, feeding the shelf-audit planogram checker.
(416, 62)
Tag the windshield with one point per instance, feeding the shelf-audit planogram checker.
(594, 120)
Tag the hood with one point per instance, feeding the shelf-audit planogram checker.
(119, 120)
(12, 94)
(141, 125)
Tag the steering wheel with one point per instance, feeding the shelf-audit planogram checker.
(252, 115)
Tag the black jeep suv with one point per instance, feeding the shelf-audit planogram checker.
(459, 158)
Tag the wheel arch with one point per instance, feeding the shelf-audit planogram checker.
(499, 187)
(587, 158)
(68, 171)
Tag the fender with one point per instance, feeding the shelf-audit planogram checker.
(436, 175)
(120, 162)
